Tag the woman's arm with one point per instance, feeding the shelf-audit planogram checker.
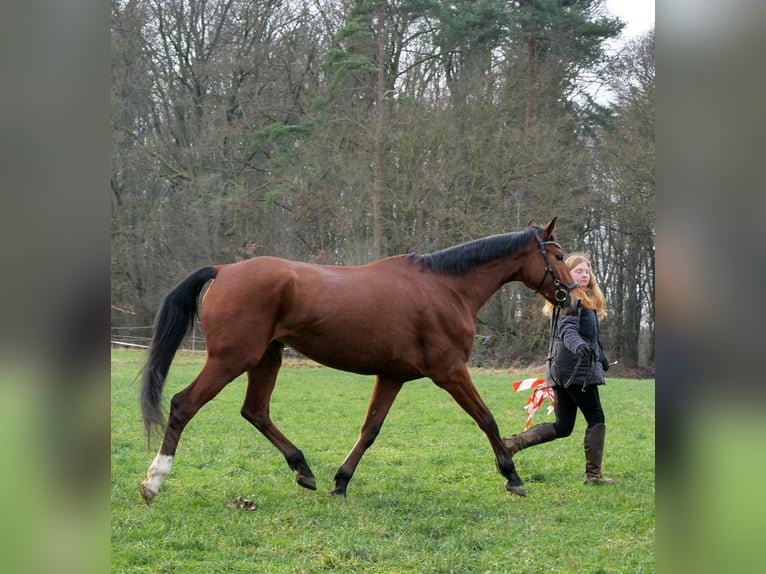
(569, 329)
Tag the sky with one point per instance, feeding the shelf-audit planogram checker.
(637, 14)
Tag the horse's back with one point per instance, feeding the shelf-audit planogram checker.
(268, 290)
(265, 276)
(360, 318)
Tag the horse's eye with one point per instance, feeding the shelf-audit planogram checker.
(560, 257)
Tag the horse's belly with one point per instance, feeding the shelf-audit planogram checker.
(356, 356)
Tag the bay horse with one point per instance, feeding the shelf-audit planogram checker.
(400, 318)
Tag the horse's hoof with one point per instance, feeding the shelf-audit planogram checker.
(519, 489)
(306, 481)
(146, 494)
(338, 492)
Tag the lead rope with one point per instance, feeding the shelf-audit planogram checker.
(590, 375)
(554, 322)
(592, 360)
(594, 357)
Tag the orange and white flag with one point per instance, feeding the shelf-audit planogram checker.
(540, 392)
(525, 384)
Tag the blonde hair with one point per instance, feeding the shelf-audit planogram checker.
(591, 295)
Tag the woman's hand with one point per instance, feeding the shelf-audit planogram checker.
(585, 353)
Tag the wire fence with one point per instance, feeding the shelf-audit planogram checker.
(140, 337)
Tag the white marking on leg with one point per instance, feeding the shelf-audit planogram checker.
(158, 472)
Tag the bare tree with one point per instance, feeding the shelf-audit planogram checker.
(341, 132)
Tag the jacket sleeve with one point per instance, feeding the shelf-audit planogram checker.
(569, 330)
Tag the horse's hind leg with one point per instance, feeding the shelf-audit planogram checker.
(261, 380)
(383, 396)
(183, 406)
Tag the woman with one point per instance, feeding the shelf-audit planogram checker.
(575, 370)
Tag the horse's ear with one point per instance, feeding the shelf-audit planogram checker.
(551, 227)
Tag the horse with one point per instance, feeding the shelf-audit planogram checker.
(399, 318)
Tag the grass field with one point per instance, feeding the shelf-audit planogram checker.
(426, 497)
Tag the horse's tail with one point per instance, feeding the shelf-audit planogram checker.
(174, 320)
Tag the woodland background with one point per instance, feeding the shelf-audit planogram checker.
(343, 131)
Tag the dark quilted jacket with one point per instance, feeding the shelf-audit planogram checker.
(571, 332)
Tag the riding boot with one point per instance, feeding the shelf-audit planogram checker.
(594, 454)
(538, 434)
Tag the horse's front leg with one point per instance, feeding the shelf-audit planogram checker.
(504, 462)
(383, 395)
(460, 386)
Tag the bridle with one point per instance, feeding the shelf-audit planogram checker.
(560, 295)
(561, 292)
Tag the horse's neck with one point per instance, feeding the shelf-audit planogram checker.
(479, 284)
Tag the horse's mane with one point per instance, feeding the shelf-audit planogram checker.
(462, 258)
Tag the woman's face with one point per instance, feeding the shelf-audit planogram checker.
(581, 274)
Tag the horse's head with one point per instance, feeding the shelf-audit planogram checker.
(556, 283)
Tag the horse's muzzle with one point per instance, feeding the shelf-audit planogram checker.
(570, 306)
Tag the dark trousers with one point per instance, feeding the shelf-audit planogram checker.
(569, 400)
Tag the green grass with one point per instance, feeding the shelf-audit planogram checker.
(426, 497)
